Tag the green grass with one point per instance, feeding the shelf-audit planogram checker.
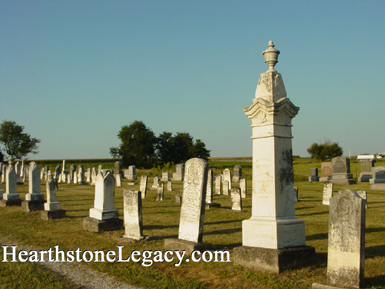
(223, 227)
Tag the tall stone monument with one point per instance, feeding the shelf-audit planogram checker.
(132, 206)
(209, 191)
(34, 200)
(273, 238)
(143, 186)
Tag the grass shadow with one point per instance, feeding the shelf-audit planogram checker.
(320, 236)
(375, 251)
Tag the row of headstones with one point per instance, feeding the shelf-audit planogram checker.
(338, 172)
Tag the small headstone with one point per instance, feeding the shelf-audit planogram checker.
(165, 177)
(218, 184)
(155, 184)
(327, 193)
(10, 185)
(295, 194)
(130, 174)
(366, 170)
(346, 248)
(363, 195)
(93, 176)
(341, 171)
(52, 208)
(132, 206)
(227, 177)
(236, 200)
(225, 187)
(118, 179)
(377, 182)
(243, 187)
(81, 177)
(178, 199)
(313, 175)
(169, 186)
(237, 173)
(326, 171)
(160, 191)
(88, 180)
(72, 173)
(118, 168)
(143, 186)
(178, 175)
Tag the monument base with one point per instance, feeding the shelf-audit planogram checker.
(377, 187)
(324, 179)
(8, 203)
(365, 178)
(344, 182)
(54, 214)
(95, 225)
(188, 246)
(274, 260)
(313, 179)
(212, 205)
(36, 205)
(326, 286)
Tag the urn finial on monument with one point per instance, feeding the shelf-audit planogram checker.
(271, 55)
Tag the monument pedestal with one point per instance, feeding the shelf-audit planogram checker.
(273, 260)
(326, 286)
(212, 205)
(188, 246)
(35, 205)
(95, 225)
(8, 203)
(343, 179)
(50, 215)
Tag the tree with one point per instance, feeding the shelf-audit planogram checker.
(199, 150)
(327, 150)
(17, 144)
(137, 145)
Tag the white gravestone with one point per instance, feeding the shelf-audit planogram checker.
(160, 191)
(132, 206)
(178, 175)
(237, 173)
(93, 176)
(236, 200)
(227, 177)
(209, 190)
(143, 186)
(225, 186)
(118, 179)
(52, 203)
(10, 185)
(169, 186)
(218, 184)
(243, 186)
(155, 184)
(327, 193)
(34, 190)
(165, 177)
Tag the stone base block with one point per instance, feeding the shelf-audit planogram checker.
(132, 184)
(30, 206)
(95, 225)
(212, 205)
(324, 179)
(326, 286)
(8, 203)
(274, 260)
(51, 215)
(377, 187)
(188, 246)
(313, 179)
(364, 178)
(344, 181)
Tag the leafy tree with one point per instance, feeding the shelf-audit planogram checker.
(199, 150)
(17, 144)
(327, 150)
(165, 147)
(137, 145)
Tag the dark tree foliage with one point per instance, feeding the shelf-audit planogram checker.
(325, 151)
(17, 144)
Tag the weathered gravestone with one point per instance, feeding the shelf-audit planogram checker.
(243, 187)
(326, 171)
(192, 210)
(18, 171)
(160, 191)
(227, 177)
(178, 199)
(130, 174)
(34, 200)
(72, 173)
(237, 173)
(236, 200)
(155, 184)
(93, 176)
(169, 186)
(345, 265)
(296, 194)
(11, 197)
(225, 188)
(132, 206)
(327, 193)
(143, 186)
(165, 177)
(178, 175)
(81, 177)
(366, 170)
(218, 184)
(118, 180)
(273, 238)
(209, 191)
(88, 180)
(377, 182)
(52, 208)
(64, 172)
(118, 168)
(104, 216)
(313, 175)
(341, 171)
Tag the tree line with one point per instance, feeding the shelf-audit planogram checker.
(140, 147)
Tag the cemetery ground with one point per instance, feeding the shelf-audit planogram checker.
(222, 227)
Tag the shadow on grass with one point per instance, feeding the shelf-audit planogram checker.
(303, 208)
(224, 222)
(320, 236)
(159, 227)
(375, 251)
(312, 214)
(219, 232)
(375, 281)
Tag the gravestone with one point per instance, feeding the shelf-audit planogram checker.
(18, 171)
(327, 193)
(143, 185)
(52, 208)
(100, 167)
(22, 172)
(237, 173)
(88, 180)
(132, 206)
(346, 241)
(366, 170)
(313, 175)
(227, 177)
(363, 195)
(42, 173)
(218, 184)
(64, 172)
(34, 200)
(178, 175)
(160, 191)
(1, 190)
(118, 168)
(326, 171)
(118, 180)
(155, 184)
(169, 186)
(103, 216)
(165, 177)
(273, 238)
(341, 171)
(243, 187)
(72, 173)
(178, 199)
(209, 191)
(131, 173)
(93, 176)
(4, 172)
(193, 209)
(295, 194)
(377, 182)
(11, 197)
(225, 186)
(236, 200)
(57, 173)
(81, 177)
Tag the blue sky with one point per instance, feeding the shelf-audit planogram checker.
(74, 72)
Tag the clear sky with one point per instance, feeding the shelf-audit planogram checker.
(74, 72)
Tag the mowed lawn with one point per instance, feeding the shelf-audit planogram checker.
(223, 228)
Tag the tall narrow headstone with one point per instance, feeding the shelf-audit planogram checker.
(118, 180)
(178, 175)
(160, 191)
(132, 206)
(1, 190)
(243, 187)
(236, 200)
(72, 173)
(103, 216)
(88, 180)
(155, 184)
(4, 172)
(34, 200)
(52, 208)
(143, 185)
(273, 236)
(218, 184)
(169, 186)
(11, 197)
(237, 173)
(81, 177)
(225, 185)
(341, 171)
(327, 193)
(193, 208)
(209, 191)
(346, 248)
(64, 172)
(118, 168)
(18, 172)
(227, 177)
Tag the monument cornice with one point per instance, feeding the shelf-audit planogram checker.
(270, 107)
